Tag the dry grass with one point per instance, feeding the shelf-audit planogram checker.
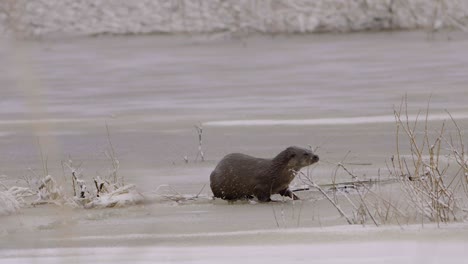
(432, 175)
(430, 168)
(431, 187)
(200, 152)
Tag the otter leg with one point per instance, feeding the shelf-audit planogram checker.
(262, 193)
(288, 193)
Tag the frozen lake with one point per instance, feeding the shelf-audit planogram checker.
(152, 91)
(256, 95)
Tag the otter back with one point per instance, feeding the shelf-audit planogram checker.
(236, 175)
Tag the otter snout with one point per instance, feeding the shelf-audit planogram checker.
(311, 158)
(315, 158)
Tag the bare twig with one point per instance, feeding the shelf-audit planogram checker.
(200, 153)
(313, 184)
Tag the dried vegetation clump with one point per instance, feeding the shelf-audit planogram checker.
(433, 174)
(430, 169)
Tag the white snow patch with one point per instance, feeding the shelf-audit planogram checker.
(123, 196)
(49, 192)
(11, 199)
(331, 121)
(8, 203)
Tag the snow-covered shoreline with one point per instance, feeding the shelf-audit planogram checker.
(90, 17)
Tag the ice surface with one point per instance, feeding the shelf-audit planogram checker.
(337, 244)
(152, 90)
(326, 253)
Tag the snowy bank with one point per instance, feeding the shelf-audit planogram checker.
(88, 17)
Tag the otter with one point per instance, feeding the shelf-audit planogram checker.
(239, 176)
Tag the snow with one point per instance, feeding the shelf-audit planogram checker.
(8, 203)
(164, 218)
(11, 199)
(332, 121)
(348, 230)
(334, 244)
(123, 196)
(88, 17)
(329, 253)
(50, 192)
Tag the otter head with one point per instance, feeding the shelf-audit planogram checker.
(297, 158)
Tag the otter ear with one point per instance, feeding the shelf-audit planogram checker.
(291, 152)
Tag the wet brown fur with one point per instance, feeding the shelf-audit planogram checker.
(239, 176)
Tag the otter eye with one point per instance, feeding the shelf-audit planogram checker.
(293, 155)
(306, 154)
